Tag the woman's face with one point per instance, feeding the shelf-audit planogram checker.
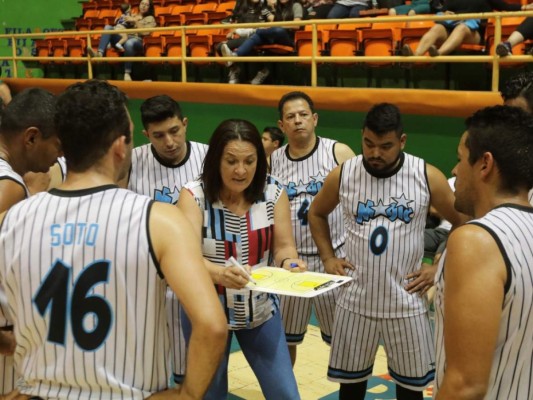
(238, 165)
(144, 6)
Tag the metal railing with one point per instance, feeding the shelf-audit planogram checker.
(313, 59)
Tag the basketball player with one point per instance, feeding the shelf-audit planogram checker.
(84, 267)
(159, 170)
(484, 300)
(272, 138)
(385, 195)
(301, 165)
(518, 92)
(28, 143)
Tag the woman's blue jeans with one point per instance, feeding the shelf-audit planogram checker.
(265, 349)
(275, 35)
(133, 46)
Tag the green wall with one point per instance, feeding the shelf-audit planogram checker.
(433, 138)
(31, 16)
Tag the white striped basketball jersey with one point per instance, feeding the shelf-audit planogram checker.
(82, 279)
(511, 226)
(6, 172)
(303, 178)
(385, 219)
(7, 369)
(162, 182)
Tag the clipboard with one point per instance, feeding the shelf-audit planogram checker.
(300, 284)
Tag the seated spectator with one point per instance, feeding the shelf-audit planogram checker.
(246, 11)
(451, 34)
(318, 9)
(286, 10)
(523, 32)
(415, 7)
(348, 8)
(122, 23)
(134, 45)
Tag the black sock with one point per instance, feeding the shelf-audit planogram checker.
(352, 391)
(407, 394)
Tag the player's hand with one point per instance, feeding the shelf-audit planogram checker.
(294, 265)
(337, 266)
(421, 280)
(234, 277)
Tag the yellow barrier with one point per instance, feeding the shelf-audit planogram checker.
(449, 103)
(313, 59)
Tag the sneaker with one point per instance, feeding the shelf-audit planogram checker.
(127, 76)
(233, 75)
(226, 52)
(407, 51)
(433, 52)
(260, 76)
(504, 49)
(119, 47)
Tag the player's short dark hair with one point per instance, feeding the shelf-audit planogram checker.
(296, 95)
(158, 109)
(383, 118)
(275, 134)
(33, 107)
(90, 116)
(520, 85)
(507, 133)
(228, 130)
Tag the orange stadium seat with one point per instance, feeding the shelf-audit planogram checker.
(380, 40)
(304, 40)
(198, 15)
(178, 11)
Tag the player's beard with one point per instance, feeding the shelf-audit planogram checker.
(385, 169)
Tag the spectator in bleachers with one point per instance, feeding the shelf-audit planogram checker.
(246, 11)
(286, 10)
(415, 7)
(348, 8)
(318, 9)
(122, 23)
(451, 34)
(134, 45)
(523, 32)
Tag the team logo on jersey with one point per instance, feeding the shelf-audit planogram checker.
(166, 196)
(398, 209)
(312, 187)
